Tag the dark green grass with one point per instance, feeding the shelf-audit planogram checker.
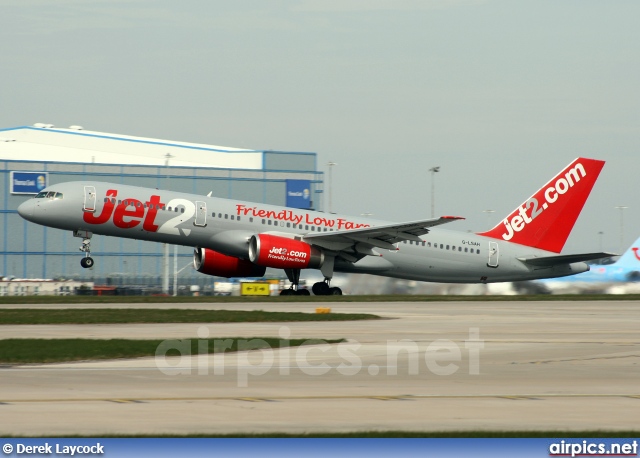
(307, 299)
(25, 351)
(133, 315)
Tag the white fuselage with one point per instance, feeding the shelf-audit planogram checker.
(226, 225)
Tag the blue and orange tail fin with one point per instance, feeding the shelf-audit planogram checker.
(545, 220)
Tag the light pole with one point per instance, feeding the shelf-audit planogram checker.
(621, 208)
(488, 212)
(433, 171)
(600, 234)
(331, 164)
(165, 259)
(167, 158)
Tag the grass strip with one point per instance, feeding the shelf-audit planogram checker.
(119, 316)
(308, 299)
(28, 351)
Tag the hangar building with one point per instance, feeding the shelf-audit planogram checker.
(32, 157)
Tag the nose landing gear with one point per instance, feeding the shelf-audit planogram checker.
(87, 261)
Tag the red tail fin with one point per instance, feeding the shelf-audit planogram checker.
(545, 220)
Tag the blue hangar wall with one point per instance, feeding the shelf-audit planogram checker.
(28, 250)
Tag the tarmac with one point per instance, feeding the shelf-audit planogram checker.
(430, 366)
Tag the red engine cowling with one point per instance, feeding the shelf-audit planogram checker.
(282, 253)
(211, 262)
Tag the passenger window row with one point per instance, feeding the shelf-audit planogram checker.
(443, 246)
(305, 227)
(226, 216)
(137, 203)
(270, 222)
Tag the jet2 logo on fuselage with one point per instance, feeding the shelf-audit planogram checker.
(127, 214)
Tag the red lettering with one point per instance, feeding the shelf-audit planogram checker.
(122, 212)
(241, 208)
(344, 224)
(107, 210)
(149, 220)
(127, 214)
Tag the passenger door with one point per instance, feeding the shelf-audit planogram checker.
(89, 199)
(201, 214)
(493, 254)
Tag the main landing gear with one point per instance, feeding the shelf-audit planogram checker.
(87, 261)
(294, 290)
(321, 288)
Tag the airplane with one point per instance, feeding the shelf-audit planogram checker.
(234, 238)
(602, 274)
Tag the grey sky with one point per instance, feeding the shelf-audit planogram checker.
(500, 94)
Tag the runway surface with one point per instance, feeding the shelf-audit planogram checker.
(436, 366)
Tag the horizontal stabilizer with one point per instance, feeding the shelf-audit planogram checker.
(550, 261)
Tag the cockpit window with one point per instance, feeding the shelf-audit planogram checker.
(49, 195)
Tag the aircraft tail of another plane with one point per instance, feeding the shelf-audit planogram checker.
(631, 257)
(545, 220)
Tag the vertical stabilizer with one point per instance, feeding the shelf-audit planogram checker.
(631, 257)
(545, 220)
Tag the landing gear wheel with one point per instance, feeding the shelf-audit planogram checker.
(320, 289)
(335, 291)
(87, 261)
(293, 292)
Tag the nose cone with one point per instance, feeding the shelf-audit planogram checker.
(25, 209)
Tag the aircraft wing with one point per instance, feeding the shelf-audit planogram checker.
(363, 240)
(550, 261)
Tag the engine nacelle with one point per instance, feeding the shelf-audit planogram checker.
(211, 262)
(282, 253)
(633, 276)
